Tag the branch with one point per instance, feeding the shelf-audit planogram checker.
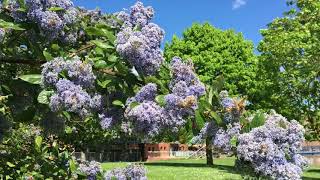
(22, 61)
(81, 49)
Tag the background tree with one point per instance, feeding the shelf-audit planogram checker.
(215, 52)
(289, 65)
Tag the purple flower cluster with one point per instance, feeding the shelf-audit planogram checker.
(222, 139)
(80, 73)
(272, 149)
(71, 94)
(209, 129)
(140, 47)
(185, 88)
(50, 22)
(149, 117)
(131, 172)
(2, 34)
(91, 169)
(231, 112)
(72, 98)
(226, 101)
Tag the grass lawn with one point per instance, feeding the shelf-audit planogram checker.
(195, 169)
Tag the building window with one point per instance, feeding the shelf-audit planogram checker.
(149, 149)
(152, 148)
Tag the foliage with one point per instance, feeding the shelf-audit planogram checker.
(25, 153)
(217, 53)
(224, 121)
(289, 65)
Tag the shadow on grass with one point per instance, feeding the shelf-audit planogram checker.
(313, 171)
(226, 168)
(177, 164)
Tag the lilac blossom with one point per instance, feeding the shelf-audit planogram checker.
(91, 169)
(150, 117)
(146, 93)
(132, 172)
(146, 117)
(70, 97)
(2, 34)
(51, 70)
(140, 48)
(105, 121)
(272, 148)
(80, 73)
(52, 24)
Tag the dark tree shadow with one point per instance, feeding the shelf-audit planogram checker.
(177, 164)
(225, 168)
(313, 170)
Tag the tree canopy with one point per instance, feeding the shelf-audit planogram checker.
(215, 52)
(289, 65)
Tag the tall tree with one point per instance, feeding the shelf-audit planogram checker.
(289, 65)
(216, 52)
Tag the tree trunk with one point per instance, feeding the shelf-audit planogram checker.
(209, 151)
(142, 151)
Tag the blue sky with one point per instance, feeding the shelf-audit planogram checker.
(246, 16)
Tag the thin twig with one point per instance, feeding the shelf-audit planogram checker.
(81, 49)
(22, 61)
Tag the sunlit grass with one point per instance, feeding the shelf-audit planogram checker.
(196, 169)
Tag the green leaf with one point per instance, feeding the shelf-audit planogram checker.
(5, 3)
(199, 118)
(44, 97)
(113, 58)
(102, 44)
(134, 104)
(10, 25)
(100, 64)
(258, 120)
(22, 3)
(31, 78)
(56, 9)
(38, 142)
(118, 103)
(72, 165)
(216, 117)
(68, 130)
(218, 83)
(47, 55)
(104, 83)
(67, 115)
(160, 100)
(10, 164)
(233, 141)
(55, 47)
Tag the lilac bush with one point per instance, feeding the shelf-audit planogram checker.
(272, 149)
(131, 172)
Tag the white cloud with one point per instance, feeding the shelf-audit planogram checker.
(238, 3)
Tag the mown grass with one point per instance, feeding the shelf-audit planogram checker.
(196, 169)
